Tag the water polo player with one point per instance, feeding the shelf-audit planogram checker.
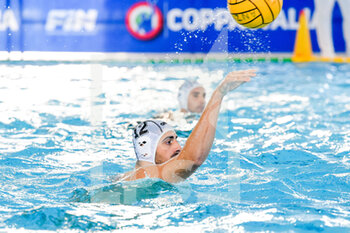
(191, 97)
(158, 153)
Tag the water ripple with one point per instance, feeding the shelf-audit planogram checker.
(280, 161)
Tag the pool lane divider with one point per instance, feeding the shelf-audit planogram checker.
(166, 58)
(234, 60)
(179, 61)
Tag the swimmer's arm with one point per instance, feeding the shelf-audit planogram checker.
(200, 141)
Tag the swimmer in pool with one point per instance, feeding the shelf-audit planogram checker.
(191, 97)
(158, 153)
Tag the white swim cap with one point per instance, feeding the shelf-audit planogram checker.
(185, 90)
(146, 137)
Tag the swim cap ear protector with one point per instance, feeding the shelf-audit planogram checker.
(184, 92)
(145, 138)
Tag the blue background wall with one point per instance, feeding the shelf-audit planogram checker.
(110, 33)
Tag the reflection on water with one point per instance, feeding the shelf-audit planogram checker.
(124, 193)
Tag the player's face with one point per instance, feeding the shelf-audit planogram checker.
(196, 100)
(167, 148)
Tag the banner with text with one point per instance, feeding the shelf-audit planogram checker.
(161, 26)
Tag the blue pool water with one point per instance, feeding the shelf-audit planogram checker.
(280, 161)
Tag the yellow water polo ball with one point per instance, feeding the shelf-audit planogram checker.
(254, 13)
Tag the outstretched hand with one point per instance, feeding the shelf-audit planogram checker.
(234, 79)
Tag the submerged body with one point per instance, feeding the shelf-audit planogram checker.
(288, 131)
(170, 162)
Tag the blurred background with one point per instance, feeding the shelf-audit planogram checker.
(127, 26)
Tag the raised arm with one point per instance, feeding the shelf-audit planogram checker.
(199, 143)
